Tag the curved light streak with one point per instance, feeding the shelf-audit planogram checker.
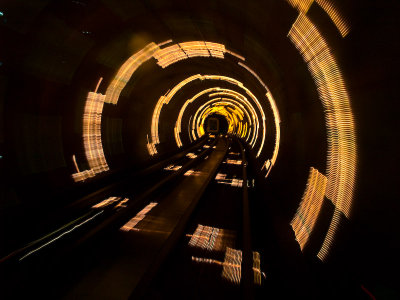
(275, 112)
(126, 71)
(307, 214)
(218, 91)
(165, 100)
(92, 137)
(240, 97)
(234, 115)
(340, 22)
(225, 104)
(200, 111)
(180, 51)
(342, 148)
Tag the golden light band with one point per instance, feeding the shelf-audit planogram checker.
(247, 106)
(226, 101)
(307, 214)
(342, 150)
(275, 112)
(165, 100)
(327, 5)
(244, 100)
(235, 117)
(92, 137)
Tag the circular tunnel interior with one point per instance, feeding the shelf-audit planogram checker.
(93, 91)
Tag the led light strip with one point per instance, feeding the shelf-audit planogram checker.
(245, 106)
(275, 112)
(341, 24)
(181, 51)
(92, 137)
(304, 220)
(126, 71)
(165, 57)
(342, 149)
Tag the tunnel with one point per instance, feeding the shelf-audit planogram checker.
(199, 149)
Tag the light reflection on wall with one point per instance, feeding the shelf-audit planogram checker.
(304, 220)
(342, 150)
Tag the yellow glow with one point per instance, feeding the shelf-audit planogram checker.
(165, 57)
(166, 98)
(254, 120)
(204, 77)
(304, 220)
(301, 5)
(227, 108)
(234, 182)
(335, 15)
(342, 149)
(200, 115)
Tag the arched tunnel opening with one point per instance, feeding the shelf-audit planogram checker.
(216, 123)
(214, 149)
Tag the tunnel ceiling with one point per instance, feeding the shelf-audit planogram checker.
(57, 51)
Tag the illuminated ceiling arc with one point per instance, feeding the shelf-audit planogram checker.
(342, 149)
